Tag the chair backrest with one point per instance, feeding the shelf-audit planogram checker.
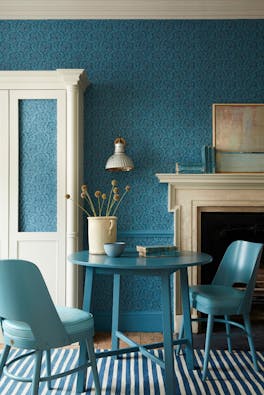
(24, 297)
(239, 265)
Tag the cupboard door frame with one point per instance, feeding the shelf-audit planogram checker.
(67, 86)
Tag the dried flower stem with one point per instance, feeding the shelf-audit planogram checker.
(78, 205)
(98, 194)
(108, 209)
(99, 206)
(91, 203)
(102, 205)
(120, 200)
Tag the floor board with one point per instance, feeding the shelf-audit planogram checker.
(239, 340)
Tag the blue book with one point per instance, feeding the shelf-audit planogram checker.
(213, 159)
(190, 169)
(208, 158)
(205, 158)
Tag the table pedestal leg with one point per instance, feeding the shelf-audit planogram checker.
(115, 311)
(187, 318)
(170, 378)
(87, 301)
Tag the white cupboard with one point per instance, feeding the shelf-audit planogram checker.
(23, 204)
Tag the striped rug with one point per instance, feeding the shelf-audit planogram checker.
(136, 375)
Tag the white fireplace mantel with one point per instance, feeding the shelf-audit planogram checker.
(191, 194)
(217, 181)
(214, 181)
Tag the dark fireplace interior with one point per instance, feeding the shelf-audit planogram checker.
(219, 229)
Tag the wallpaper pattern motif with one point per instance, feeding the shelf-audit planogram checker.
(154, 83)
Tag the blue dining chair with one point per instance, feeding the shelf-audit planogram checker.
(229, 294)
(30, 321)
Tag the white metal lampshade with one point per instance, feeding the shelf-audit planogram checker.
(119, 161)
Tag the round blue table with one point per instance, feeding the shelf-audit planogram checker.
(130, 264)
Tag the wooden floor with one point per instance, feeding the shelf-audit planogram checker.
(102, 340)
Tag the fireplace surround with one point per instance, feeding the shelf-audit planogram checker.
(190, 195)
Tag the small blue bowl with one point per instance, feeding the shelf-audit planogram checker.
(114, 249)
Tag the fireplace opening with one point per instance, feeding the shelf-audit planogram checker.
(219, 229)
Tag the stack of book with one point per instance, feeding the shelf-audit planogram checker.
(157, 250)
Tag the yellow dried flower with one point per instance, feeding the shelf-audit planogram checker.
(113, 200)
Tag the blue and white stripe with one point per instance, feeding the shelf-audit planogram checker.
(133, 374)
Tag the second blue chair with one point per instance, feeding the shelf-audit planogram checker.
(222, 298)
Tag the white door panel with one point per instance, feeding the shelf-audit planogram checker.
(46, 249)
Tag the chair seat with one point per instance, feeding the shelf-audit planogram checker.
(216, 299)
(75, 322)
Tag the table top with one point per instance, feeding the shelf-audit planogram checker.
(132, 261)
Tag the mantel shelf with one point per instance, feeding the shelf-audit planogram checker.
(213, 181)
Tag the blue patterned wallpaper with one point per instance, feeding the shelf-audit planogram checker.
(38, 165)
(154, 83)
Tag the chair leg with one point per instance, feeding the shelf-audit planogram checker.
(36, 373)
(250, 341)
(209, 330)
(48, 368)
(4, 358)
(228, 334)
(180, 336)
(91, 356)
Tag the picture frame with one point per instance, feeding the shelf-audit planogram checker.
(238, 137)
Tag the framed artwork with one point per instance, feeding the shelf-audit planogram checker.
(238, 137)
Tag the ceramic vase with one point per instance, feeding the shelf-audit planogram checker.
(101, 230)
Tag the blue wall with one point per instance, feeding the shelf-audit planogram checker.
(153, 82)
